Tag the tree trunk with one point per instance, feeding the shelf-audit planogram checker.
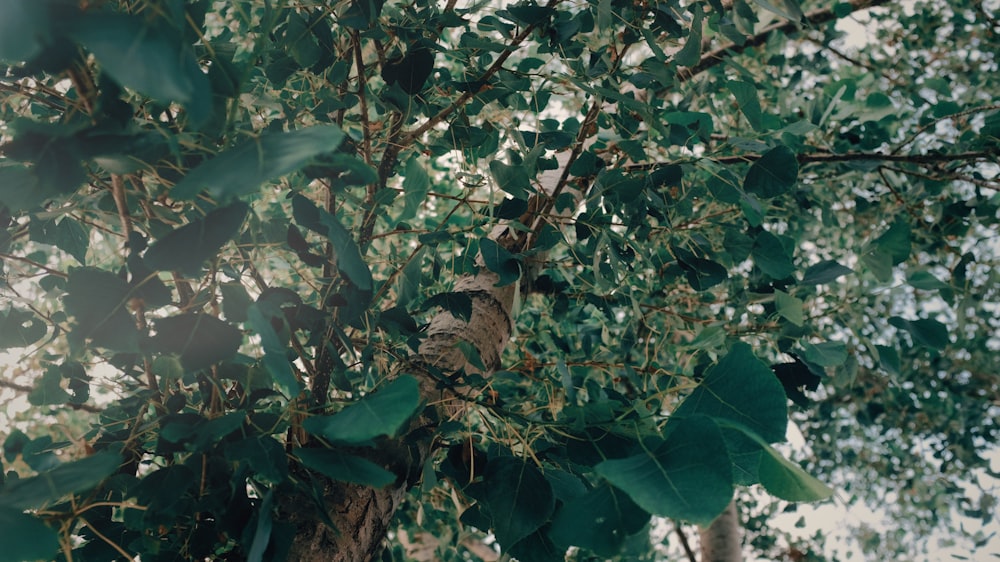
(721, 541)
(362, 515)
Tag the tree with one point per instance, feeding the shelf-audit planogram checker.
(364, 273)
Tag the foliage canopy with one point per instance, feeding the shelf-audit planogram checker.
(539, 270)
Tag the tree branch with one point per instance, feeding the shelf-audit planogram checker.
(814, 17)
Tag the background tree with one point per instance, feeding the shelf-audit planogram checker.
(289, 279)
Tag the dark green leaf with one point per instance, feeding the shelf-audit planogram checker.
(925, 281)
(187, 248)
(148, 58)
(824, 272)
(263, 454)
(25, 29)
(458, 305)
(686, 477)
(241, 170)
(746, 97)
(519, 499)
(25, 537)
(262, 531)
(48, 389)
(599, 521)
(690, 53)
(896, 242)
(500, 261)
(825, 354)
(743, 389)
(275, 349)
(20, 328)
(381, 413)
(411, 70)
(512, 179)
(345, 468)
(201, 340)
(98, 300)
(788, 481)
(68, 478)
(350, 262)
(773, 174)
(701, 273)
(925, 331)
(773, 255)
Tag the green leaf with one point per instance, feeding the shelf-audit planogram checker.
(98, 301)
(264, 455)
(746, 98)
(498, 260)
(789, 307)
(416, 185)
(148, 58)
(201, 340)
(275, 350)
(512, 179)
(349, 260)
(25, 537)
(384, 412)
(926, 281)
(599, 520)
(780, 476)
(66, 479)
(458, 305)
(690, 53)
(925, 331)
(824, 272)
(262, 531)
(772, 255)
(345, 468)
(25, 30)
(241, 170)
(187, 248)
(687, 477)
(518, 497)
(773, 173)
(743, 389)
(826, 354)
(48, 389)
(896, 242)
(701, 273)
(20, 328)
(788, 481)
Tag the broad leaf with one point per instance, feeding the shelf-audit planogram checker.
(201, 340)
(345, 468)
(20, 328)
(498, 260)
(687, 477)
(825, 354)
(458, 305)
(519, 499)
(925, 331)
(743, 389)
(824, 272)
(599, 520)
(98, 300)
(746, 98)
(512, 179)
(25, 537)
(25, 30)
(241, 170)
(773, 255)
(773, 174)
(187, 248)
(66, 479)
(381, 413)
(350, 262)
(148, 58)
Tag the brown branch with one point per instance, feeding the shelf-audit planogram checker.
(684, 543)
(814, 17)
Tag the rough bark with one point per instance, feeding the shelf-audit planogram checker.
(362, 515)
(722, 541)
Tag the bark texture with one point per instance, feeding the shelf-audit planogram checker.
(362, 515)
(722, 541)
